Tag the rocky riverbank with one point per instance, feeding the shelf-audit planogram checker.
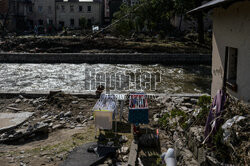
(104, 44)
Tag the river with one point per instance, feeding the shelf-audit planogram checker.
(72, 77)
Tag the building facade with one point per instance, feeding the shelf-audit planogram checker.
(18, 13)
(231, 47)
(43, 12)
(4, 6)
(68, 13)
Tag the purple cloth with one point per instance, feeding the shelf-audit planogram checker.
(218, 101)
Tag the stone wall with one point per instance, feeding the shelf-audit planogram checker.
(109, 58)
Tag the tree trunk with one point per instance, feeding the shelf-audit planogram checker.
(200, 23)
(180, 24)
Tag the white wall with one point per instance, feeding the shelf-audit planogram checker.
(231, 27)
(95, 14)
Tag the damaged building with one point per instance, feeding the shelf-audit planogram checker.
(69, 12)
(47, 14)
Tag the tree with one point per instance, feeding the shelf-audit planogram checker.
(4, 20)
(156, 16)
(200, 23)
(183, 6)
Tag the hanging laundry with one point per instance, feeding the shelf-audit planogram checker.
(213, 120)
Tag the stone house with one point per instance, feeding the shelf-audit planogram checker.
(43, 12)
(4, 6)
(18, 13)
(231, 47)
(69, 12)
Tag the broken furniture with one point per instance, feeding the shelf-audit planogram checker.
(105, 111)
(138, 108)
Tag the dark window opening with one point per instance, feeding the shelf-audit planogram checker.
(232, 60)
(49, 9)
(80, 8)
(50, 22)
(61, 23)
(63, 8)
(40, 8)
(89, 22)
(89, 9)
(71, 8)
(30, 9)
(72, 22)
(40, 22)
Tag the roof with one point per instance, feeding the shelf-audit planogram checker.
(212, 4)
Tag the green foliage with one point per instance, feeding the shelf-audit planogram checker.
(204, 101)
(163, 120)
(152, 16)
(177, 112)
(149, 15)
(183, 117)
(221, 149)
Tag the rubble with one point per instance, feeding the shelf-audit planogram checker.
(12, 120)
(16, 126)
(81, 44)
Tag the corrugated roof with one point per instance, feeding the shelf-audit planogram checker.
(212, 4)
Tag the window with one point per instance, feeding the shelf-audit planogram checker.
(89, 9)
(63, 8)
(72, 22)
(61, 23)
(30, 9)
(40, 22)
(49, 9)
(50, 22)
(40, 8)
(89, 23)
(80, 9)
(71, 8)
(232, 59)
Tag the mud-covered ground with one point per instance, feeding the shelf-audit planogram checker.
(69, 124)
(72, 44)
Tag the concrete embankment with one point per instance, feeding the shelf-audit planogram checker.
(88, 95)
(108, 58)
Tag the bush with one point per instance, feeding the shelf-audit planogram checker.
(204, 102)
(163, 120)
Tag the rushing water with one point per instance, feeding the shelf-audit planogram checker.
(72, 77)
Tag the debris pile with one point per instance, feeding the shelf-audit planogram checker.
(57, 111)
(103, 44)
(182, 120)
